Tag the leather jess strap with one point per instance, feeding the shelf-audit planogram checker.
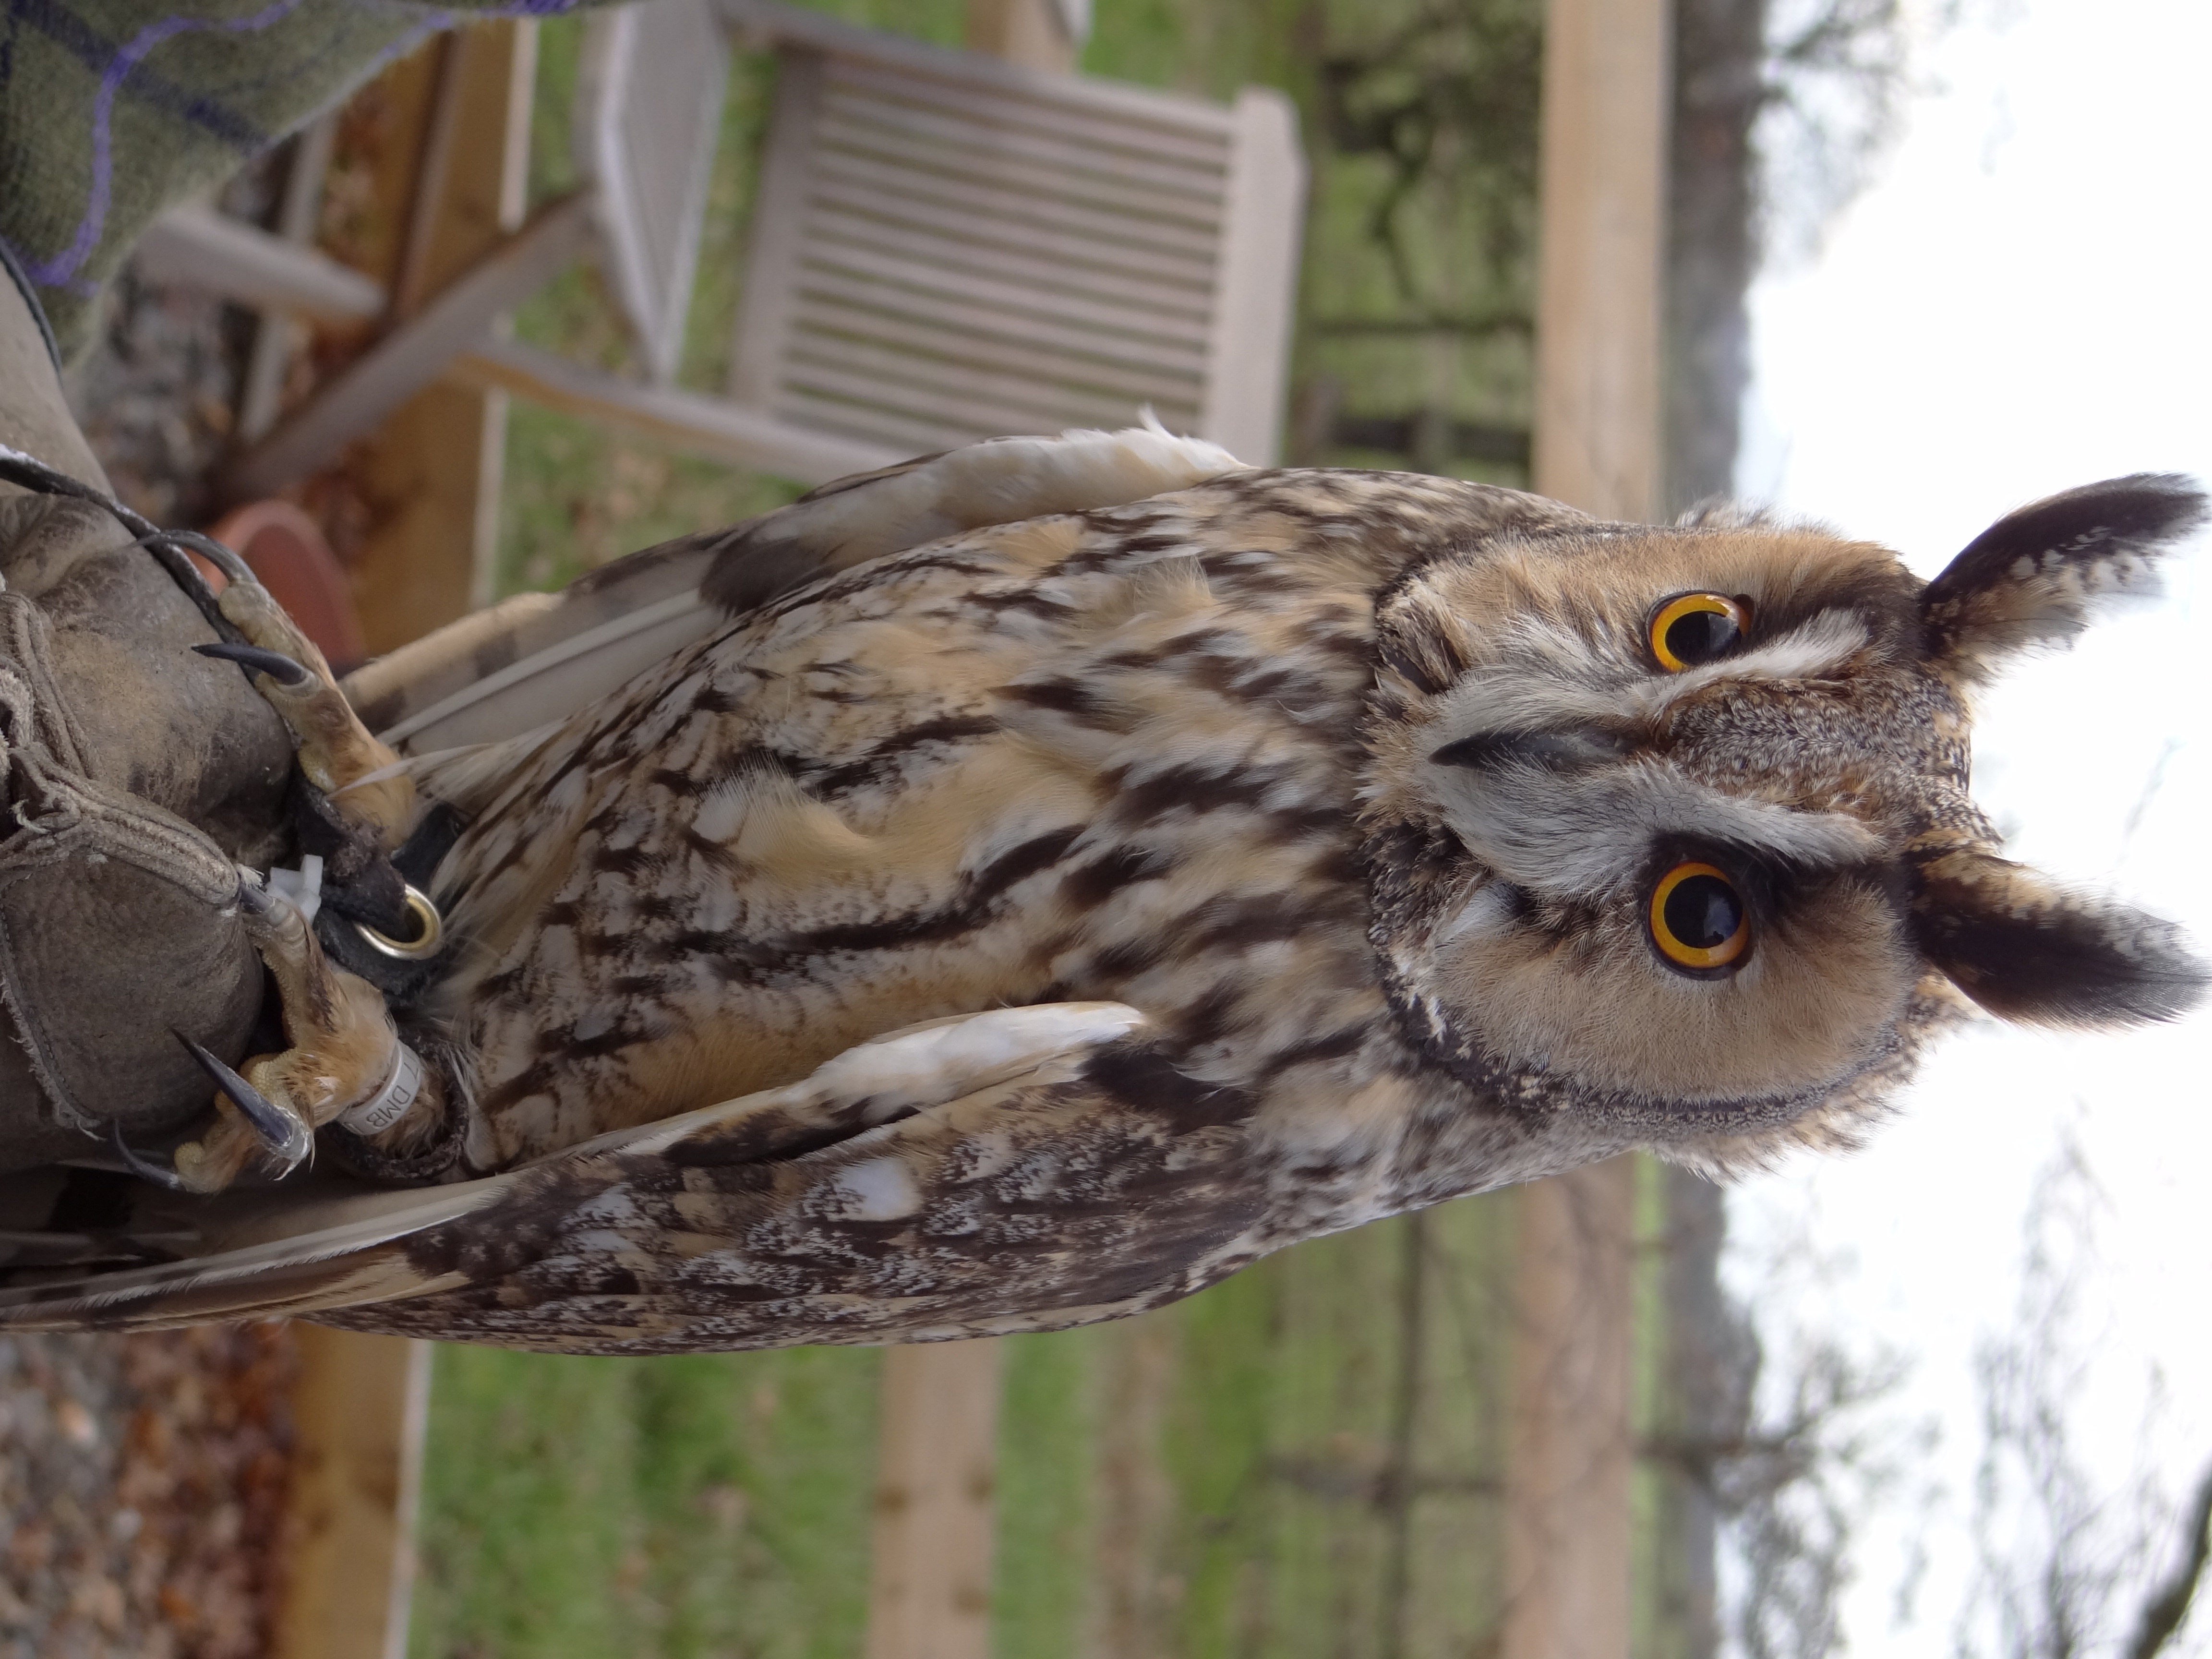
(14, 266)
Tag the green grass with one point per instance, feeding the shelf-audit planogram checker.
(1214, 1479)
(1210, 1481)
(585, 498)
(1199, 1483)
(711, 1504)
(1305, 1553)
(1047, 1490)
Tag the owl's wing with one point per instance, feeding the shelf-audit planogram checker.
(1021, 1168)
(538, 657)
(871, 515)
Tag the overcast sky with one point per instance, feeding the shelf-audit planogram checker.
(2020, 303)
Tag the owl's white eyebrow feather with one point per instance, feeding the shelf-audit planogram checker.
(1576, 833)
(1820, 645)
(1554, 680)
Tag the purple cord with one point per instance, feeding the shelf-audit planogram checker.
(61, 270)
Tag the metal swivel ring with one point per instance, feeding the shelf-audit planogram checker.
(430, 928)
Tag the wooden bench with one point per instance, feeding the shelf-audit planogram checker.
(946, 247)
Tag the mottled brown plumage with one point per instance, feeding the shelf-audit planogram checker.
(1257, 858)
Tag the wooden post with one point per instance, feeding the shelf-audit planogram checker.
(1567, 1543)
(1597, 446)
(1603, 209)
(434, 468)
(929, 1589)
(362, 1401)
(360, 1406)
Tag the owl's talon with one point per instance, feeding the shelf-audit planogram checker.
(145, 1169)
(235, 569)
(275, 664)
(285, 1135)
(256, 895)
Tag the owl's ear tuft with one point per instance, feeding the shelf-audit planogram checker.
(2034, 576)
(2027, 950)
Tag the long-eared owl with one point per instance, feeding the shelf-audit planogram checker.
(1047, 877)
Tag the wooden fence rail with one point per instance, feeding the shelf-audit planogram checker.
(1597, 446)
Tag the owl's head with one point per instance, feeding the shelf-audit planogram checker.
(1670, 827)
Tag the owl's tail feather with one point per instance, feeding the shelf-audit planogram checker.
(249, 1257)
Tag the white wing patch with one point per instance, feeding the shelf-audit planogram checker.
(882, 1189)
(946, 1058)
(1003, 481)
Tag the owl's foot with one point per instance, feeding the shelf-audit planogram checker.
(346, 1063)
(339, 755)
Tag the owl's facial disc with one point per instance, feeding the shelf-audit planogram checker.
(1673, 826)
(1660, 763)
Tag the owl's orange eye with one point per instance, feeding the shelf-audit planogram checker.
(1699, 921)
(1693, 629)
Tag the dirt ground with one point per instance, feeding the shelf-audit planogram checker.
(142, 1481)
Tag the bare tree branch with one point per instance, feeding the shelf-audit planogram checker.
(1795, 1467)
(2062, 1552)
(2162, 1615)
(1830, 96)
